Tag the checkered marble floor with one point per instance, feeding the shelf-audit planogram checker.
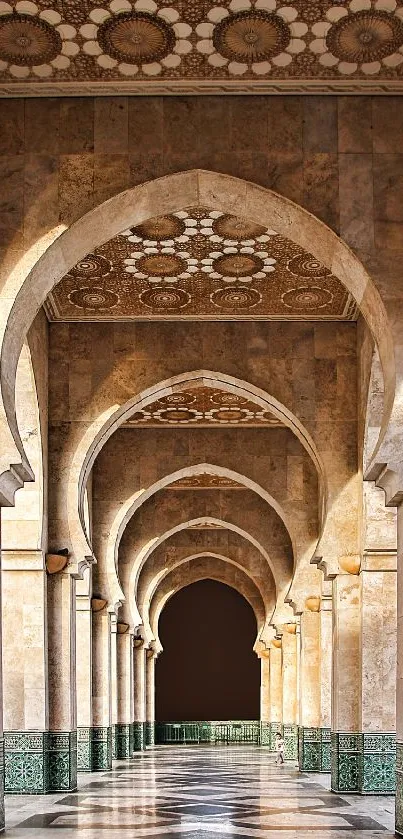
(199, 793)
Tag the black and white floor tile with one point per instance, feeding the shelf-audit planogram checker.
(200, 793)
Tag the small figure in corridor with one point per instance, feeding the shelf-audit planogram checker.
(279, 749)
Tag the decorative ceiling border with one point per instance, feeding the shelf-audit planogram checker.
(203, 88)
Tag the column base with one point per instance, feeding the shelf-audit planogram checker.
(314, 749)
(265, 729)
(138, 736)
(84, 749)
(101, 748)
(363, 763)
(150, 734)
(274, 728)
(399, 789)
(40, 762)
(290, 735)
(123, 736)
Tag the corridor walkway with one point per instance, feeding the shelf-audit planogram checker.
(199, 793)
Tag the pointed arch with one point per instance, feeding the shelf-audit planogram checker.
(29, 283)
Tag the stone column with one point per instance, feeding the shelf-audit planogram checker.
(62, 737)
(378, 663)
(124, 668)
(326, 632)
(101, 687)
(139, 683)
(290, 698)
(265, 698)
(399, 677)
(84, 674)
(346, 681)
(276, 690)
(309, 699)
(150, 698)
(25, 671)
(114, 685)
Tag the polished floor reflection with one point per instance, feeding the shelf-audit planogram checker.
(199, 793)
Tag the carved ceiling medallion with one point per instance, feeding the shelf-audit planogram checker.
(205, 481)
(160, 229)
(199, 273)
(136, 37)
(203, 406)
(232, 227)
(26, 40)
(161, 265)
(251, 36)
(365, 36)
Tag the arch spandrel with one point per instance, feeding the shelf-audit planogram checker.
(28, 285)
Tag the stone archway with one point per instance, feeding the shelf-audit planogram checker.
(127, 511)
(157, 580)
(31, 280)
(141, 558)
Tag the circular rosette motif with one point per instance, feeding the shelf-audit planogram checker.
(138, 38)
(142, 36)
(227, 399)
(160, 229)
(306, 265)
(235, 299)
(34, 41)
(92, 267)
(177, 399)
(161, 265)
(238, 265)
(251, 36)
(232, 227)
(165, 299)
(94, 298)
(229, 415)
(176, 415)
(362, 36)
(307, 298)
(244, 37)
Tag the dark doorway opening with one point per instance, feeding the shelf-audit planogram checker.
(208, 670)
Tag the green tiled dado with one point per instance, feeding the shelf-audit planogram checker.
(84, 749)
(101, 748)
(138, 736)
(150, 734)
(2, 820)
(40, 762)
(363, 763)
(345, 762)
(290, 735)
(123, 736)
(274, 728)
(265, 734)
(378, 764)
(314, 749)
(399, 788)
(325, 750)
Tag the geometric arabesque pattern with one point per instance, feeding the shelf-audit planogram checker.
(205, 407)
(201, 793)
(200, 263)
(83, 43)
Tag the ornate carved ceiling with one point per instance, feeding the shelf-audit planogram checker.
(203, 406)
(195, 264)
(90, 46)
(205, 481)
